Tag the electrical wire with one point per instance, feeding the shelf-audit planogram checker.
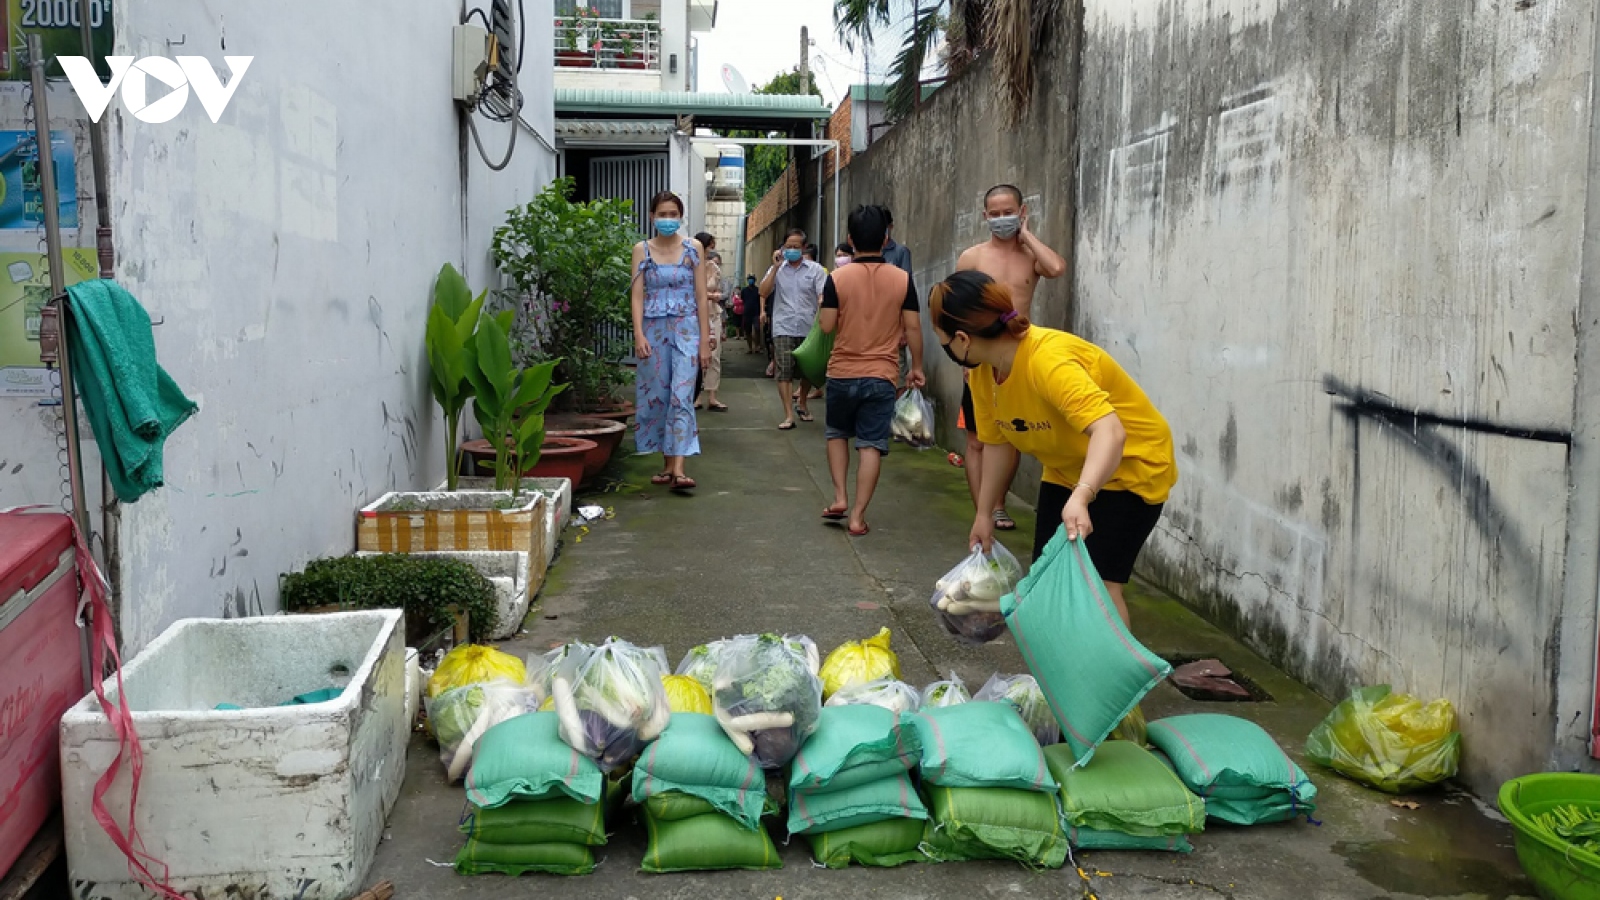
(481, 17)
(500, 102)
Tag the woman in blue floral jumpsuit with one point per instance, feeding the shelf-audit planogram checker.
(670, 339)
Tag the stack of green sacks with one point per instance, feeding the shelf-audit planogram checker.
(1124, 799)
(850, 789)
(989, 789)
(703, 801)
(1240, 771)
(534, 804)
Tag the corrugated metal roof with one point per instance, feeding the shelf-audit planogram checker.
(571, 102)
(590, 128)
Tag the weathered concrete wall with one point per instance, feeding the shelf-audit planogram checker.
(1340, 245)
(291, 249)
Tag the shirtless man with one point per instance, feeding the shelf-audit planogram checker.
(1015, 257)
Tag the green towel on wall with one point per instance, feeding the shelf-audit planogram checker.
(131, 403)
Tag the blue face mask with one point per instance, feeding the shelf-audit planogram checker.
(793, 255)
(668, 227)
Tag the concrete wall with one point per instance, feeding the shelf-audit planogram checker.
(1340, 245)
(291, 249)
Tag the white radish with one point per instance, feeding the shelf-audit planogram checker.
(567, 709)
(740, 739)
(761, 721)
(967, 609)
(657, 722)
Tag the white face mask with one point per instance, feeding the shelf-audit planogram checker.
(842, 261)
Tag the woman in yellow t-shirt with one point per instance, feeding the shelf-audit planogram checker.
(1106, 450)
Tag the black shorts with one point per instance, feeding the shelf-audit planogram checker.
(967, 415)
(1122, 523)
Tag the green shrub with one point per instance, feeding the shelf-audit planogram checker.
(426, 587)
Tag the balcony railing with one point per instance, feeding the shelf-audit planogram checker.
(583, 42)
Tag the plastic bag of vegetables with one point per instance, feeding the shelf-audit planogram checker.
(857, 662)
(1022, 692)
(967, 598)
(895, 696)
(611, 701)
(700, 663)
(542, 667)
(767, 696)
(474, 664)
(460, 716)
(686, 695)
(913, 420)
(945, 693)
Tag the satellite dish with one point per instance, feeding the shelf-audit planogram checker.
(733, 80)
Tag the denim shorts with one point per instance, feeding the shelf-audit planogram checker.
(860, 408)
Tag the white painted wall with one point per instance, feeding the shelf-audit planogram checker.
(1293, 216)
(291, 249)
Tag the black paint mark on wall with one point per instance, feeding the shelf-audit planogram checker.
(1373, 405)
(1228, 447)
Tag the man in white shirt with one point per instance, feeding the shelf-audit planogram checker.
(795, 284)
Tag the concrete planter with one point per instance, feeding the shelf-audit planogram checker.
(557, 494)
(508, 571)
(403, 522)
(264, 801)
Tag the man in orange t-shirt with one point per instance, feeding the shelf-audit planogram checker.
(869, 306)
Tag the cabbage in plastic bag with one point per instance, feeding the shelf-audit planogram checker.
(1022, 692)
(967, 599)
(611, 701)
(684, 694)
(1390, 741)
(895, 696)
(460, 716)
(767, 695)
(945, 693)
(700, 663)
(542, 666)
(913, 420)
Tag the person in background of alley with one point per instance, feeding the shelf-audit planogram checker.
(843, 255)
(869, 306)
(711, 375)
(795, 285)
(896, 254)
(810, 252)
(672, 339)
(1015, 257)
(1107, 452)
(750, 320)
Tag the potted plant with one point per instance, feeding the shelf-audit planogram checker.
(510, 402)
(450, 333)
(606, 434)
(569, 263)
(438, 594)
(569, 54)
(628, 56)
(559, 457)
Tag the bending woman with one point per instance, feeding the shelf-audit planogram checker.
(1106, 450)
(670, 338)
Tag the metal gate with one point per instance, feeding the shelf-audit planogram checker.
(636, 178)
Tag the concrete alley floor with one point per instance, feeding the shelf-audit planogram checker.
(748, 553)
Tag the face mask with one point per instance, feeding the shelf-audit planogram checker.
(668, 227)
(963, 363)
(793, 255)
(843, 260)
(1005, 227)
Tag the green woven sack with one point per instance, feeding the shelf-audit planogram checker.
(1240, 771)
(820, 811)
(1090, 839)
(525, 759)
(1092, 670)
(995, 823)
(694, 756)
(854, 745)
(892, 842)
(1125, 790)
(481, 858)
(980, 744)
(812, 355)
(706, 843)
(560, 820)
(672, 806)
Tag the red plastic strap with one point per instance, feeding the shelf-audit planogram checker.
(103, 643)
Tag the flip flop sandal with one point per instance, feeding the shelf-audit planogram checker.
(862, 533)
(1003, 521)
(803, 415)
(663, 478)
(836, 513)
(719, 407)
(786, 426)
(683, 483)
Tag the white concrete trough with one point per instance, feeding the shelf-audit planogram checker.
(263, 801)
(507, 570)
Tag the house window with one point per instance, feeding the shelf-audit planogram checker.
(608, 9)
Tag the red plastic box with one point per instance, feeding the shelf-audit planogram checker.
(41, 675)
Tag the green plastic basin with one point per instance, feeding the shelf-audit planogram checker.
(1558, 870)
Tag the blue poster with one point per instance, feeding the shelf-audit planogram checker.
(21, 200)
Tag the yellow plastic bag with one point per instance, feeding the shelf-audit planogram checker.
(1393, 742)
(474, 664)
(857, 662)
(686, 695)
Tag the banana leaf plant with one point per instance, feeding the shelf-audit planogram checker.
(509, 403)
(452, 324)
